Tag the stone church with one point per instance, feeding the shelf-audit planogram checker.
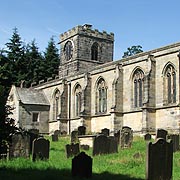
(140, 91)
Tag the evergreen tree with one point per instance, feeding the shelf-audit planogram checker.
(16, 60)
(132, 51)
(51, 59)
(34, 63)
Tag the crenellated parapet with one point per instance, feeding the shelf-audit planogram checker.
(86, 30)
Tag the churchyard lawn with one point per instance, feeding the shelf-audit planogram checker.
(129, 164)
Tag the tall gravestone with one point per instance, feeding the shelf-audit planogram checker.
(82, 166)
(20, 145)
(117, 136)
(126, 137)
(40, 150)
(159, 161)
(34, 134)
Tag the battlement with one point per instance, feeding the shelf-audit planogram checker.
(86, 30)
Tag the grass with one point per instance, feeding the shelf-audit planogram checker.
(127, 164)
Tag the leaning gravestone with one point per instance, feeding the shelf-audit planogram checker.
(161, 133)
(126, 137)
(81, 130)
(40, 150)
(105, 131)
(159, 160)
(82, 166)
(74, 137)
(20, 145)
(113, 145)
(72, 149)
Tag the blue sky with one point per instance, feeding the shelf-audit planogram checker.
(149, 23)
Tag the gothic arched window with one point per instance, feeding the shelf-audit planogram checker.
(56, 104)
(94, 51)
(138, 88)
(101, 100)
(169, 85)
(78, 95)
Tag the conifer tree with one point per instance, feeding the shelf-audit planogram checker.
(51, 56)
(16, 60)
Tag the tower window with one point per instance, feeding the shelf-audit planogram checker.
(94, 51)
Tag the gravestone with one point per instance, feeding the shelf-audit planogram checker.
(147, 137)
(117, 136)
(105, 131)
(57, 132)
(72, 149)
(20, 145)
(74, 137)
(40, 150)
(104, 145)
(84, 147)
(82, 166)
(3, 151)
(159, 160)
(161, 133)
(81, 130)
(126, 137)
(100, 145)
(175, 140)
(113, 145)
(55, 137)
(34, 134)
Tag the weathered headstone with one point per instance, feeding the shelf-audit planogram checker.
(72, 149)
(40, 150)
(74, 137)
(159, 160)
(20, 145)
(175, 140)
(84, 147)
(147, 137)
(117, 136)
(57, 132)
(161, 133)
(100, 145)
(82, 166)
(55, 137)
(126, 137)
(81, 130)
(105, 131)
(34, 134)
(113, 145)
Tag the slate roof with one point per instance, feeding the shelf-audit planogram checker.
(31, 96)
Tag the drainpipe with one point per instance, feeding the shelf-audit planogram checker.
(69, 107)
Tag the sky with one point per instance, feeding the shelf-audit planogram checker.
(149, 23)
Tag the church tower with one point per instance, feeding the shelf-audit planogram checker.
(82, 48)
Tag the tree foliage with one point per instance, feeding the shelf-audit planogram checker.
(132, 51)
(20, 62)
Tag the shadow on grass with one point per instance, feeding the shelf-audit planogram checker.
(55, 174)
